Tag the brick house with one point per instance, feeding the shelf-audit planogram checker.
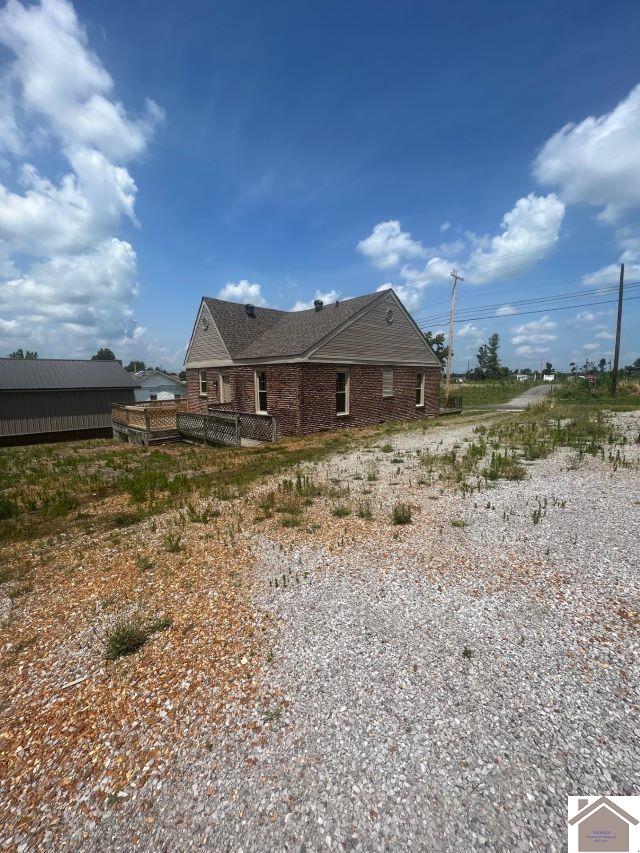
(356, 362)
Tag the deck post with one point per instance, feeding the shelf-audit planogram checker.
(147, 420)
(238, 435)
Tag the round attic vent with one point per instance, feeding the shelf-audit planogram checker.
(205, 323)
(389, 315)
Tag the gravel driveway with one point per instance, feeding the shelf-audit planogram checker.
(433, 686)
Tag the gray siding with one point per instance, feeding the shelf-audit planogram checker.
(207, 347)
(370, 339)
(32, 412)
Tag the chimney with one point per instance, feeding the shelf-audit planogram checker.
(317, 304)
(250, 309)
(582, 804)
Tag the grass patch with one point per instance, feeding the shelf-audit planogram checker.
(458, 522)
(341, 511)
(130, 634)
(401, 514)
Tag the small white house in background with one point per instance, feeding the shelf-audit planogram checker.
(158, 385)
(522, 377)
(548, 377)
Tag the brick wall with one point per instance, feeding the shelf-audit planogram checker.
(302, 396)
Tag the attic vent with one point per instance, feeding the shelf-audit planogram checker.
(317, 304)
(250, 309)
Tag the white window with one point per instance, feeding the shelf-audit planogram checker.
(202, 376)
(387, 382)
(261, 391)
(419, 389)
(225, 388)
(342, 392)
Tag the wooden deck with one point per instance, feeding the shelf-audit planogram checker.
(160, 421)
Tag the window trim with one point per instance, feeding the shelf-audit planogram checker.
(388, 395)
(256, 380)
(347, 393)
(422, 375)
(221, 378)
(202, 375)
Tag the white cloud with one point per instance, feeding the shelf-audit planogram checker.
(505, 310)
(591, 347)
(59, 79)
(243, 291)
(388, 245)
(330, 296)
(529, 350)
(409, 296)
(66, 280)
(534, 332)
(609, 276)
(597, 161)
(473, 333)
(445, 226)
(606, 336)
(529, 231)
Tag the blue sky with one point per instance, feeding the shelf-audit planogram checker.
(274, 152)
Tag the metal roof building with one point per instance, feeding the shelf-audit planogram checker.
(57, 399)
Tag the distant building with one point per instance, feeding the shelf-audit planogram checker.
(522, 377)
(548, 377)
(59, 399)
(158, 385)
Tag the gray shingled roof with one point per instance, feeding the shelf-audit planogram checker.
(273, 334)
(18, 374)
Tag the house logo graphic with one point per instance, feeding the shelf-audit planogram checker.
(604, 824)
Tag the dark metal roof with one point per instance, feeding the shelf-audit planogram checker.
(273, 334)
(22, 374)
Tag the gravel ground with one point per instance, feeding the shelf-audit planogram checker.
(434, 686)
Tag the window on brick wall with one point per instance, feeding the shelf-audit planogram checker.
(202, 379)
(225, 388)
(261, 391)
(419, 389)
(342, 392)
(387, 382)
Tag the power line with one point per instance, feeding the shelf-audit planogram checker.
(545, 310)
(600, 291)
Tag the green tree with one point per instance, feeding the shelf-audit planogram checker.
(548, 368)
(437, 344)
(493, 369)
(103, 354)
(135, 366)
(19, 353)
(602, 364)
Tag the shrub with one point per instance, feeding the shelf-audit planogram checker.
(341, 511)
(401, 514)
(364, 510)
(458, 522)
(172, 542)
(387, 448)
(8, 508)
(504, 467)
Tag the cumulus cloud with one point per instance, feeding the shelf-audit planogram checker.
(534, 332)
(591, 347)
(597, 161)
(505, 310)
(329, 296)
(530, 350)
(410, 296)
(609, 276)
(445, 226)
(59, 79)
(529, 231)
(66, 279)
(388, 245)
(472, 333)
(243, 291)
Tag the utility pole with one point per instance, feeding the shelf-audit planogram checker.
(456, 278)
(616, 357)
